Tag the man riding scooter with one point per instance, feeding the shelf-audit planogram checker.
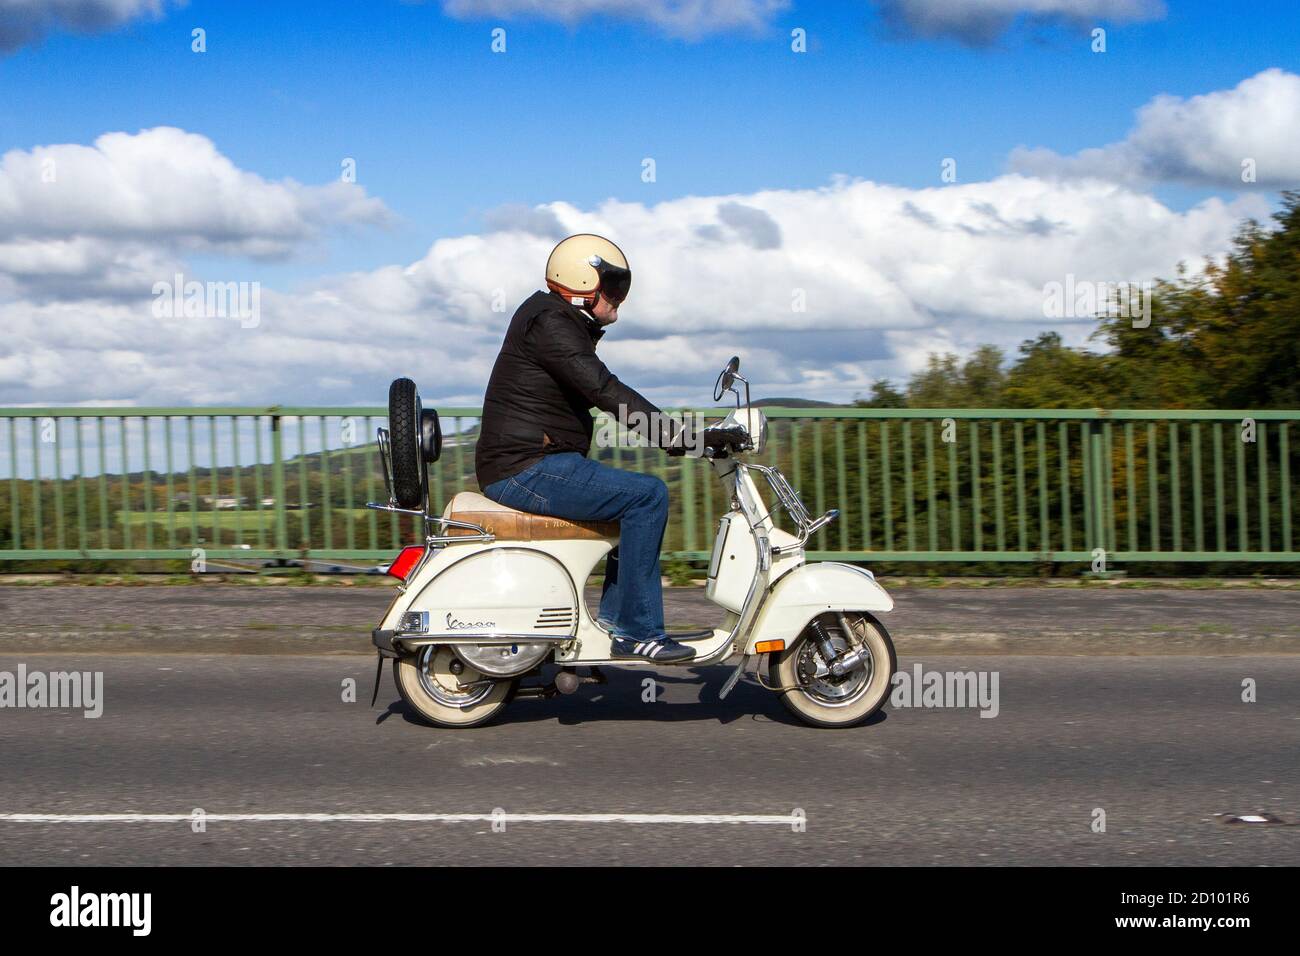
(537, 430)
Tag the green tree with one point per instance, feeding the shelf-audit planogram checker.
(946, 382)
(884, 394)
(1050, 375)
(1228, 337)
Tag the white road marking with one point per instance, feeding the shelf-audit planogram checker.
(691, 818)
(499, 761)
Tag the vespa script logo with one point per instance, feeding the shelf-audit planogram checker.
(455, 625)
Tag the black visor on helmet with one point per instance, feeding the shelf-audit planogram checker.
(614, 280)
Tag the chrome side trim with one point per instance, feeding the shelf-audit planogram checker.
(413, 640)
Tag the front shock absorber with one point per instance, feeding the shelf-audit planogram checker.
(823, 640)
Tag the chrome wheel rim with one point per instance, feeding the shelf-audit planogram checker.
(434, 667)
(814, 676)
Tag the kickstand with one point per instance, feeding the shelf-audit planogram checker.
(735, 676)
(379, 673)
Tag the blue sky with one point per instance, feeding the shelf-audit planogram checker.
(444, 131)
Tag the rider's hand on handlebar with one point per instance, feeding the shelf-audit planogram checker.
(720, 437)
(706, 442)
(718, 440)
(697, 444)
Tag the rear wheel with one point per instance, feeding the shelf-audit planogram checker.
(428, 683)
(817, 696)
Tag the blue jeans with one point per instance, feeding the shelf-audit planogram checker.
(567, 485)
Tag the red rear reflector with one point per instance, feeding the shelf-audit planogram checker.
(405, 562)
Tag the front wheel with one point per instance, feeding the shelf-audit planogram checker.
(429, 684)
(817, 696)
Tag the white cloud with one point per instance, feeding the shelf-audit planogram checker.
(887, 273)
(979, 22)
(681, 18)
(165, 183)
(110, 216)
(1200, 141)
(26, 21)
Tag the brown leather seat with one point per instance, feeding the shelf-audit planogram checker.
(507, 524)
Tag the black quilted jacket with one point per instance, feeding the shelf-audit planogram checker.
(544, 384)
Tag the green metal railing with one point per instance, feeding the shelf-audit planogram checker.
(912, 485)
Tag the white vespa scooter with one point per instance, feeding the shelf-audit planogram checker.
(493, 593)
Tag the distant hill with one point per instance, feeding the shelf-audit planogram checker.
(796, 403)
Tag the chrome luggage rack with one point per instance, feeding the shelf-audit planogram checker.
(793, 506)
(440, 539)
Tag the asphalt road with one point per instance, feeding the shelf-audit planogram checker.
(1159, 743)
(221, 618)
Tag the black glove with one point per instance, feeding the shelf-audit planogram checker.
(720, 438)
(709, 440)
(718, 441)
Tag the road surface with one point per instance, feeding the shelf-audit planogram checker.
(1159, 743)
(249, 619)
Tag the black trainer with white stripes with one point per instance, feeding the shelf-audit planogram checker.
(666, 651)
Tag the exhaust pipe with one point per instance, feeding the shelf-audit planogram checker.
(567, 681)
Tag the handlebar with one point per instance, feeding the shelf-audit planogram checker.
(735, 437)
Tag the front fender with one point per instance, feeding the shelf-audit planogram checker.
(813, 589)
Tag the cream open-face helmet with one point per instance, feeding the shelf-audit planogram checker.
(585, 266)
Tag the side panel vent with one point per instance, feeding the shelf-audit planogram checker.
(555, 619)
